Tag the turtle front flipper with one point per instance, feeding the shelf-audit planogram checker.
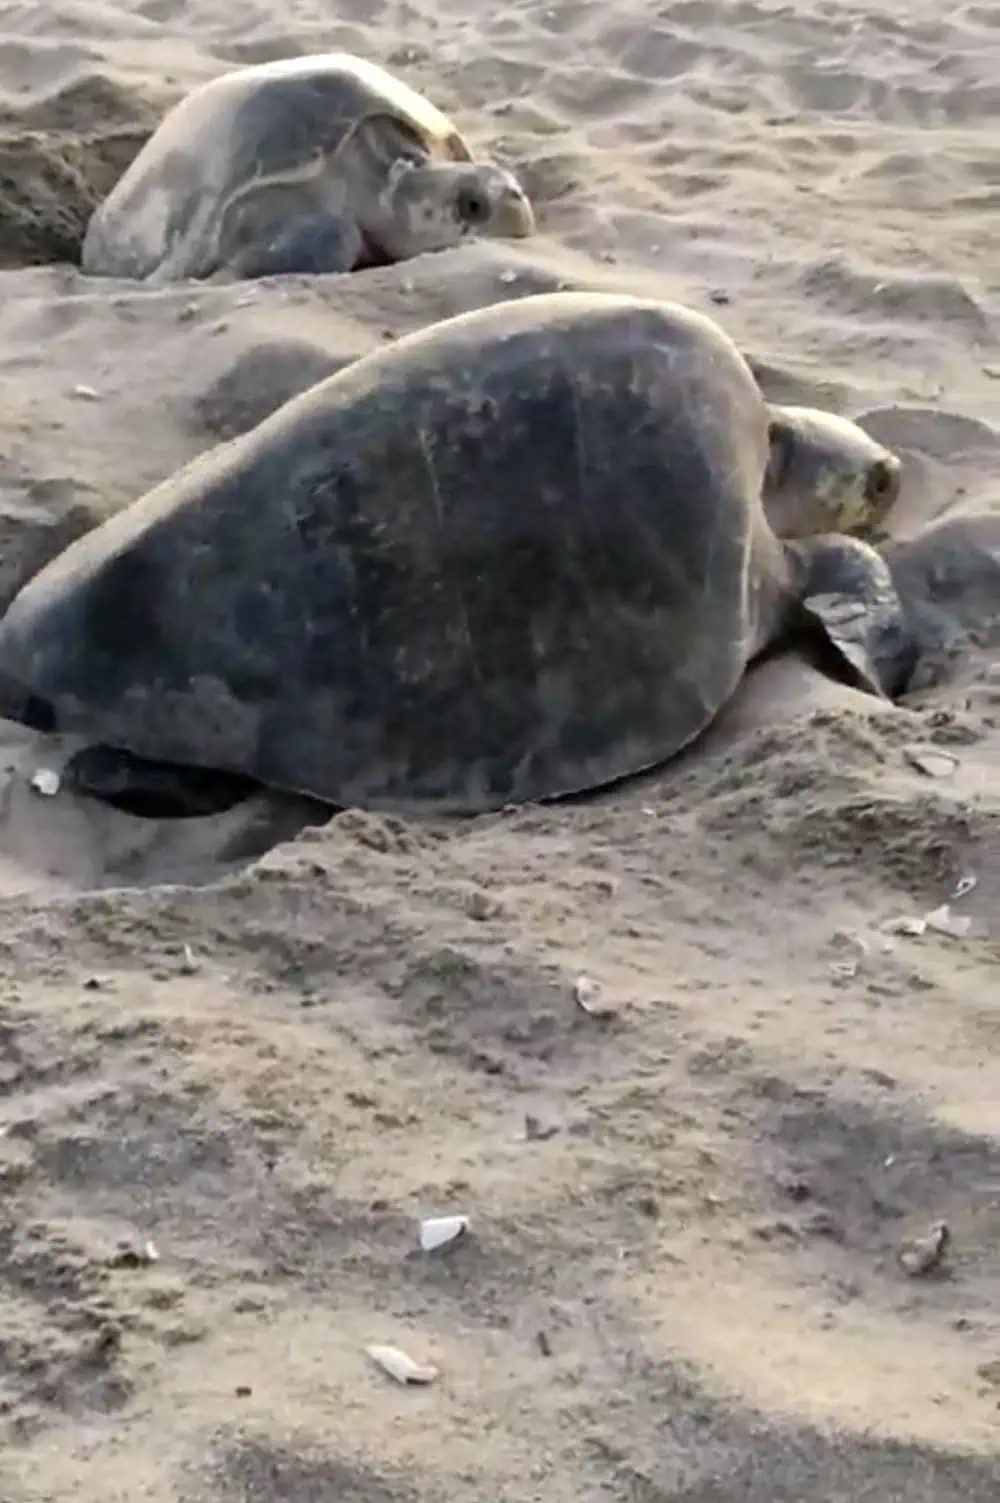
(151, 789)
(848, 593)
(313, 244)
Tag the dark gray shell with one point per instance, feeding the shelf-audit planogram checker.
(269, 123)
(515, 555)
(948, 579)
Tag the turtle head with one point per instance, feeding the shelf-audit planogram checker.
(433, 206)
(846, 600)
(826, 474)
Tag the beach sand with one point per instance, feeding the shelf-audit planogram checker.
(270, 1042)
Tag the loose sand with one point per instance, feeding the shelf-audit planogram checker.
(270, 1044)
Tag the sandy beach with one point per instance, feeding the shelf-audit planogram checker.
(242, 1057)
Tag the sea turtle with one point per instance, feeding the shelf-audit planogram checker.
(307, 164)
(515, 555)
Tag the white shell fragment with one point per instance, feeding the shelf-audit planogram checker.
(931, 760)
(585, 993)
(923, 1255)
(905, 924)
(939, 920)
(844, 970)
(587, 996)
(46, 782)
(399, 1366)
(943, 921)
(438, 1231)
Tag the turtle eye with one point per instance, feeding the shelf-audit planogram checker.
(883, 481)
(473, 205)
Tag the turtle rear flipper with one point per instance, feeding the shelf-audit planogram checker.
(152, 789)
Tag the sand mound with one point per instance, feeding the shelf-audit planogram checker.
(58, 160)
(270, 1041)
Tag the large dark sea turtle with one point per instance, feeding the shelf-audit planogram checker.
(307, 164)
(519, 554)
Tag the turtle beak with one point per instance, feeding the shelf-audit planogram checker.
(513, 217)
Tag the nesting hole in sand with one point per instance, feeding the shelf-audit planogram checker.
(149, 789)
(58, 160)
(204, 794)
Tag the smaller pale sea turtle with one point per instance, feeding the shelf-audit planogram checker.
(522, 553)
(308, 164)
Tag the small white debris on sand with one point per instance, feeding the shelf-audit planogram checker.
(401, 1367)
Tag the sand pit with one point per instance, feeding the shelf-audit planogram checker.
(269, 1042)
